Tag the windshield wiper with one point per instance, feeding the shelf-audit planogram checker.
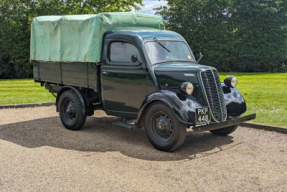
(158, 42)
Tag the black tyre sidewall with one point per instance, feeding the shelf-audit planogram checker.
(179, 129)
(80, 118)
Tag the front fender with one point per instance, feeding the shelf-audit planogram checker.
(234, 100)
(182, 105)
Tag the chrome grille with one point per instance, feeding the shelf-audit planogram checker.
(214, 94)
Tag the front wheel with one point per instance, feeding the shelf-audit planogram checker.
(164, 131)
(71, 111)
(224, 131)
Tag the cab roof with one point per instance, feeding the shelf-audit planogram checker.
(143, 34)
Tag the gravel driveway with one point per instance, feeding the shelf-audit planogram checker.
(37, 153)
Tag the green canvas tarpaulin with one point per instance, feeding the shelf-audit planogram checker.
(79, 38)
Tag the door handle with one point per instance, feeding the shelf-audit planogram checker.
(104, 72)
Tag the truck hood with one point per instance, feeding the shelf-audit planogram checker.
(181, 67)
(172, 75)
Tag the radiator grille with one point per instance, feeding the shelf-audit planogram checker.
(214, 94)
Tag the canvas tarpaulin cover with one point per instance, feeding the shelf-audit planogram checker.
(79, 38)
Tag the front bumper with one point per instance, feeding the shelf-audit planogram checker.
(224, 124)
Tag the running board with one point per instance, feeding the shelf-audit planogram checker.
(123, 124)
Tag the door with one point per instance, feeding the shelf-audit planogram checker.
(124, 83)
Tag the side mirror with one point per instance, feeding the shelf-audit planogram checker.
(134, 58)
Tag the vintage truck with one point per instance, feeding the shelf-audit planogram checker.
(128, 65)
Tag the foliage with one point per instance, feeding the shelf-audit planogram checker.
(233, 35)
(16, 17)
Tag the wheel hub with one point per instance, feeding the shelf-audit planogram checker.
(163, 125)
(71, 110)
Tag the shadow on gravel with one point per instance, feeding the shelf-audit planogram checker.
(99, 135)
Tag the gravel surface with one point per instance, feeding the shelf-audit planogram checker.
(37, 153)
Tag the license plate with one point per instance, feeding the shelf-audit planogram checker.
(202, 115)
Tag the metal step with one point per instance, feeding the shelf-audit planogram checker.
(123, 124)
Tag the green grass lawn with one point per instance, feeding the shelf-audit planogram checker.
(265, 94)
(20, 91)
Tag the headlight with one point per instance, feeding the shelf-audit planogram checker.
(187, 88)
(231, 81)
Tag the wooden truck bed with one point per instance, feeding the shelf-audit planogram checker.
(80, 74)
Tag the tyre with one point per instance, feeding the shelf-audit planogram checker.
(224, 131)
(71, 111)
(164, 131)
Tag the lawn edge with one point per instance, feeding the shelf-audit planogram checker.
(27, 105)
(246, 124)
(265, 127)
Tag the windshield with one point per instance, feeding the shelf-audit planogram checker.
(170, 51)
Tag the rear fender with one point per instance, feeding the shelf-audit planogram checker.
(66, 88)
(182, 105)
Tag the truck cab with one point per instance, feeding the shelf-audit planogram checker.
(151, 76)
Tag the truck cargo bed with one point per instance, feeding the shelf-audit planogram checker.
(77, 74)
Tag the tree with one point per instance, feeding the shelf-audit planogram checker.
(259, 34)
(16, 17)
(233, 35)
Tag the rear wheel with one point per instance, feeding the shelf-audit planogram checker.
(224, 131)
(164, 131)
(71, 111)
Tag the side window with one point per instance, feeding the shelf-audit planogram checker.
(122, 52)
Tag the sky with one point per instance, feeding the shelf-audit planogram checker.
(150, 5)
